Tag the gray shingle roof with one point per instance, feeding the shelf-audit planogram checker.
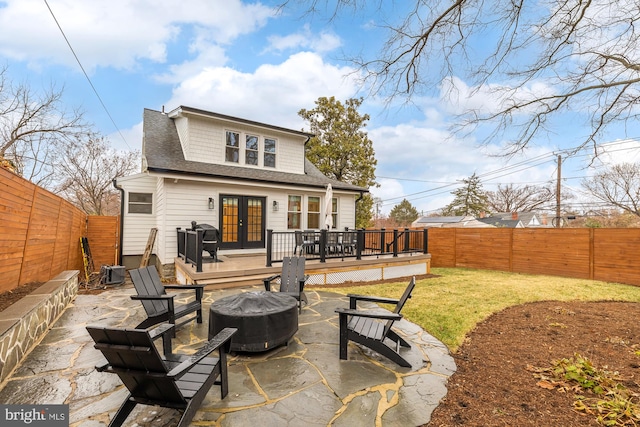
(163, 154)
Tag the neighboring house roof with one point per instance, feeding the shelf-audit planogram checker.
(163, 154)
(502, 223)
(448, 221)
(529, 219)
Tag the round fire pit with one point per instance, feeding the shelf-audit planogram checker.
(264, 319)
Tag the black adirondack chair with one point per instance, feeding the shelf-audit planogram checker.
(373, 329)
(292, 279)
(160, 306)
(176, 381)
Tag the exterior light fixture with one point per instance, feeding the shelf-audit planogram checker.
(275, 206)
(211, 204)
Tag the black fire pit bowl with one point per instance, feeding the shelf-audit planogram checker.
(264, 319)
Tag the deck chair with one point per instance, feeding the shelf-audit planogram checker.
(292, 279)
(373, 329)
(159, 306)
(175, 381)
(305, 241)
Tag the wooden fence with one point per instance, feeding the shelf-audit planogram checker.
(40, 234)
(606, 254)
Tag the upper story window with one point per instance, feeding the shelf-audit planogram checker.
(313, 212)
(232, 151)
(251, 150)
(270, 152)
(141, 203)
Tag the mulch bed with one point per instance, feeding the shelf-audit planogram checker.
(496, 383)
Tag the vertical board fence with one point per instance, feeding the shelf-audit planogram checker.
(40, 234)
(103, 233)
(606, 254)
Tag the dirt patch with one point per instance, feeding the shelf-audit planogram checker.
(494, 384)
(9, 297)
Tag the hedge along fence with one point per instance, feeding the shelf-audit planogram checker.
(606, 254)
(40, 233)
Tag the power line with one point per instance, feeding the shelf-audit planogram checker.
(86, 75)
(514, 168)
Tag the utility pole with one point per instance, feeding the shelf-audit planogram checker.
(558, 223)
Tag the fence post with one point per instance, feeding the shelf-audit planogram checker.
(383, 240)
(269, 248)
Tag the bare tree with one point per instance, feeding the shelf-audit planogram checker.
(526, 198)
(32, 125)
(618, 185)
(536, 60)
(87, 168)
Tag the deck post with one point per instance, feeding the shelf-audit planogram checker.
(395, 243)
(269, 247)
(323, 245)
(407, 239)
(425, 240)
(359, 243)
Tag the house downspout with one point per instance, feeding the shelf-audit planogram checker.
(355, 211)
(115, 184)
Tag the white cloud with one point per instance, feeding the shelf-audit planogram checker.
(458, 97)
(424, 164)
(304, 39)
(272, 93)
(118, 34)
(127, 139)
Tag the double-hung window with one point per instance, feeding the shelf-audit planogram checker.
(294, 213)
(141, 203)
(313, 212)
(232, 151)
(334, 212)
(251, 150)
(269, 152)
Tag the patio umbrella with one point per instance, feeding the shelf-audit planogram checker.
(328, 207)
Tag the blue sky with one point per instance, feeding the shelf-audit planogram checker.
(252, 61)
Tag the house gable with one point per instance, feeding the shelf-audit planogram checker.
(204, 137)
(166, 141)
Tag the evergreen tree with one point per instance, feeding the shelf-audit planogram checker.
(470, 199)
(404, 213)
(341, 148)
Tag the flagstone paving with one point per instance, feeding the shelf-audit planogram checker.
(302, 384)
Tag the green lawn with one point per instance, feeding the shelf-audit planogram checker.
(449, 306)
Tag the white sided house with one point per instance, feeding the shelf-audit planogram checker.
(240, 176)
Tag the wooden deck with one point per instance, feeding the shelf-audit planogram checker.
(248, 270)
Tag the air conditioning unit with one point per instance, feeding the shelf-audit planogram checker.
(112, 274)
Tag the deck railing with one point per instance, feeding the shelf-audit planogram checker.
(190, 247)
(317, 244)
(324, 244)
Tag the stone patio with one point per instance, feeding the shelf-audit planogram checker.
(304, 383)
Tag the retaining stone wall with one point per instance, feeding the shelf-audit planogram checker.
(23, 324)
